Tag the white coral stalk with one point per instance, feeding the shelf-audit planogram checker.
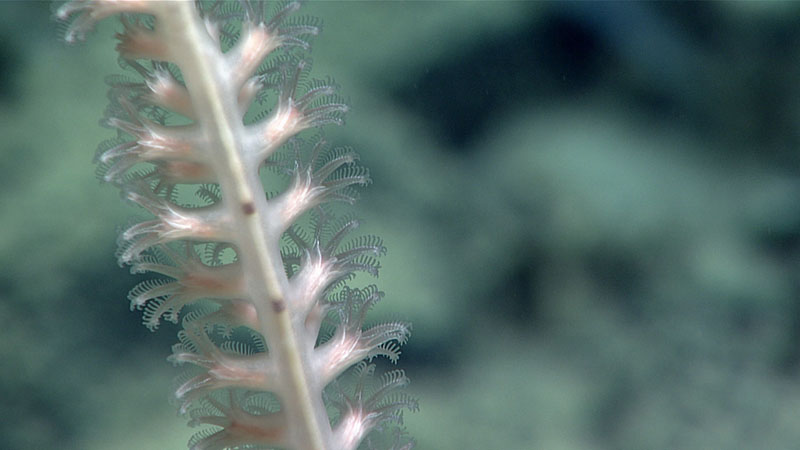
(252, 310)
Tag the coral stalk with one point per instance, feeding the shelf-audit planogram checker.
(251, 287)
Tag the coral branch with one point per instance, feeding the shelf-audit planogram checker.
(253, 303)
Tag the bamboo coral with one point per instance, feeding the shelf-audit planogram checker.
(252, 278)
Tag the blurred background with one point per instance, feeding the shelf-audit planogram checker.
(592, 212)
